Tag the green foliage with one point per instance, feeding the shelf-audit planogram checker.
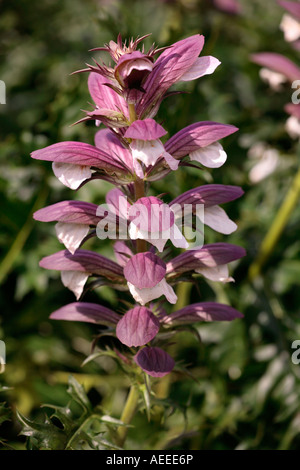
(66, 429)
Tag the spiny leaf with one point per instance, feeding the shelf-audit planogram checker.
(42, 435)
(66, 430)
(76, 391)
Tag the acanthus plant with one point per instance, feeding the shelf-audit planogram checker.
(130, 153)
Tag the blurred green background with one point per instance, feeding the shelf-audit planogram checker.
(247, 390)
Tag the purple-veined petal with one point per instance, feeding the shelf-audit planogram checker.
(77, 153)
(291, 7)
(117, 201)
(108, 142)
(143, 296)
(71, 175)
(168, 69)
(86, 312)
(209, 195)
(71, 235)
(203, 311)
(144, 270)
(212, 156)
(154, 361)
(103, 96)
(137, 327)
(73, 212)
(202, 66)
(148, 129)
(216, 218)
(200, 134)
(209, 256)
(218, 273)
(278, 63)
(75, 281)
(122, 253)
(83, 261)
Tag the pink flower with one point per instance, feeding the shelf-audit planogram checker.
(137, 78)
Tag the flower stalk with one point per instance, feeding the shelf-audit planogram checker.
(127, 415)
(277, 227)
(129, 154)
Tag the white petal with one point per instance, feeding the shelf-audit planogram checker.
(75, 281)
(134, 232)
(290, 27)
(218, 273)
(159, 239)
(292, 127)
(71, 175)
(177, 238)
(265, 166)
(212, 156)
(273, 79)
(156, 239)
(217, 219)
(147, 151)
(202, 66)
(171, 161)
(138, 169)
(71, 235)
(168, 291)
(143, 296)
(159, 243)
(257, 150)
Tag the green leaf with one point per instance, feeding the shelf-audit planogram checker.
(78, 394)
(5, 413)
(68, 429)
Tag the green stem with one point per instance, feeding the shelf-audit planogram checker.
(127, 415)
(183, 292)
(132, 113)
(276, 228)
(21, 238)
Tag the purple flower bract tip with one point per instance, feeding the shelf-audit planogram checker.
(154, 361)
(138, 326)
(145, 270)
(148, 129)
